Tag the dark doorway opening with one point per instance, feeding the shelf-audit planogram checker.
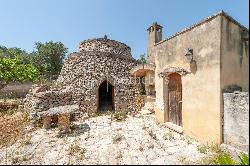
(106, 97)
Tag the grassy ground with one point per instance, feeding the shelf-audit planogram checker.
(13, 120)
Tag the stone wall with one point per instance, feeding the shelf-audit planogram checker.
(236, 120)
(42, 97)
(15, 90)
(107, 46)
(83, 72)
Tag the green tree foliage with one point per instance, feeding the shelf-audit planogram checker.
(49, 57)
(13, 70)
(142, 59)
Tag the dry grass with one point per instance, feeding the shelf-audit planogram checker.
(12, 127)
(120, 115)
(118, 138)
(6, 105)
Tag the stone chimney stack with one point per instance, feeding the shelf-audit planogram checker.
(154, 36)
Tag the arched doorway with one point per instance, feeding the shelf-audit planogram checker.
(175, 99)
(106, 96)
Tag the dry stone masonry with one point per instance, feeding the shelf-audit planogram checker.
(98, 61)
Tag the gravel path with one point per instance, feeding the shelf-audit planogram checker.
(99, 140)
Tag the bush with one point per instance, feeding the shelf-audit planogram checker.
(120, 115)
(226, 159)
(202, 149)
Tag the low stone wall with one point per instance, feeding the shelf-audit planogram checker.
(41, 98)
(15, 90)
(236, 120)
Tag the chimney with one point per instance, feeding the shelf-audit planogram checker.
(154, 36)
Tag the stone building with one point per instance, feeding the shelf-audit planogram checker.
(100, 70)
(97, 78)
(185, 75)
(191, 69)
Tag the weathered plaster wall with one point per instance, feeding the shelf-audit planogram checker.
(154, 36)
(234, 56)
(236, 120)
(201, 88)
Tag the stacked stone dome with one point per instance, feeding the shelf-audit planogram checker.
(106, 46)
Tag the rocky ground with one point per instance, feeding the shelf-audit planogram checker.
(101, 140)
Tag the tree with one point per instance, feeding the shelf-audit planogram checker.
(49, 57)
(13, 70)
(142, 59)
(15, 52)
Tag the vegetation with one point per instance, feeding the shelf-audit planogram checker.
(49, 58)
(226, 159)
(120, 115)
(202, 149)
(8, 106)
(75, 148)
(16, 65)
(12, 127)
(13, 70)
(142, 59)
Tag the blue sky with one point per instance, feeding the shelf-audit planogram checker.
(24, 22)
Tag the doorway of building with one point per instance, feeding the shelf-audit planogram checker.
(106, 96)
(175, 99)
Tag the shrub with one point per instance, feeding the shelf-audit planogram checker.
(119, 115)
(202, 149)
(74, 148)
(244, 159)
(226, 159)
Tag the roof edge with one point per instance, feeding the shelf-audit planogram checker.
(209, 18)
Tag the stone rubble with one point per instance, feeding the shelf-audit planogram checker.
(100, 140)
